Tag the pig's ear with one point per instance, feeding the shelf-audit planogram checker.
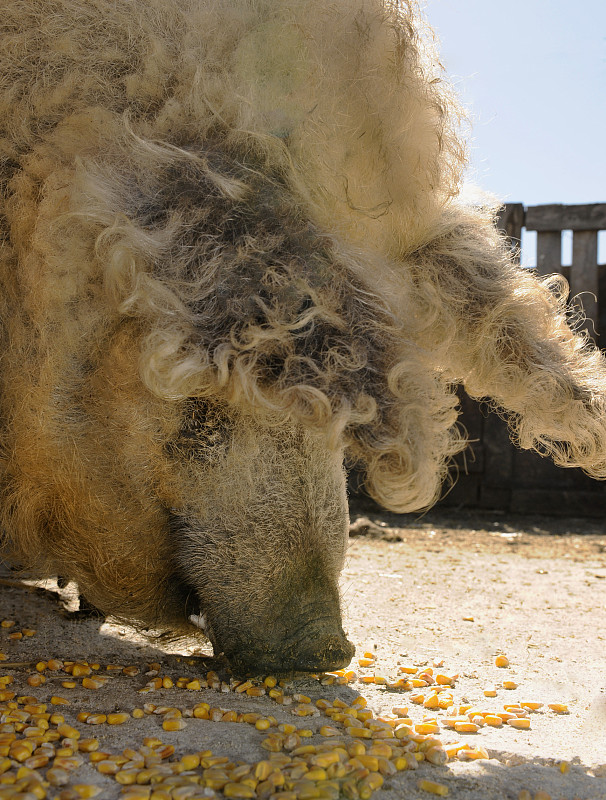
(240, 297)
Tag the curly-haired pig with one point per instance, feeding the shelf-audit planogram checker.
(231, 257)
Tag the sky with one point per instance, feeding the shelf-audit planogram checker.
(532, 74)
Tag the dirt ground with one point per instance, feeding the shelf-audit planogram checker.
(447, 591)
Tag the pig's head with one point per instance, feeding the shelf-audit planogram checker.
(270, 362)
(261, 540)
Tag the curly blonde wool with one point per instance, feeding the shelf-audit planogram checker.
(256, 202)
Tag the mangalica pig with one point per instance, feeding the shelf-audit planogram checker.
(232, 258)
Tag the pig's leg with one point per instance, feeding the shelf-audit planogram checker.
(503, 333)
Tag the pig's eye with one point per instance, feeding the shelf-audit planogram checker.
(205, 431)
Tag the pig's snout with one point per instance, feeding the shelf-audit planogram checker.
(310, 651)
(331, 652)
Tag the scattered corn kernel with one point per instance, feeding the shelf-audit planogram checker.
(519, 722)
(433, 788)
(96, 719)
(501, 661)
(174, 724)
(93, 683)
(472, 753)
(559, 708)
(117, 718)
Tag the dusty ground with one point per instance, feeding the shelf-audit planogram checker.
(535, 590)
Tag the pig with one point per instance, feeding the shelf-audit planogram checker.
(233, 258)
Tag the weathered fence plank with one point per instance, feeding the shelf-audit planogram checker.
(549, 252)
(584, 275)
(562, 218)
(510, 220)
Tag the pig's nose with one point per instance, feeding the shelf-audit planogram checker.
(331, 652)
(309, 654)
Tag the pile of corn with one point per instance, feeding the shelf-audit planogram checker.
(331, 749)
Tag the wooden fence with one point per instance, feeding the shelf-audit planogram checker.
(492, 473)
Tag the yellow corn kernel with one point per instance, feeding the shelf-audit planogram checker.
(524, 795)
(519, 722)
(433, 788)
(357, 733)
(79, 670)
(273, 743)
(137, 713)
(88, 745)
(564, 767)
(69, 684)
(369, 784)
(67, 732)
(532, 706)
(176, 724)
(436, 755)
(57, 776)
(433, 701)
(428, 727)
(136, 793)
(501, 661)
(86, 790)
(126, 777)
(453, 748)
(96, 719)
(286, 727)
(490, 691)
(117, 718)
(493, 720)
(472, 753)
(328, 730)
(59, 701)
(510, 685)
(466, 727)
(107, 767)
(93, 683)
(559, 708)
